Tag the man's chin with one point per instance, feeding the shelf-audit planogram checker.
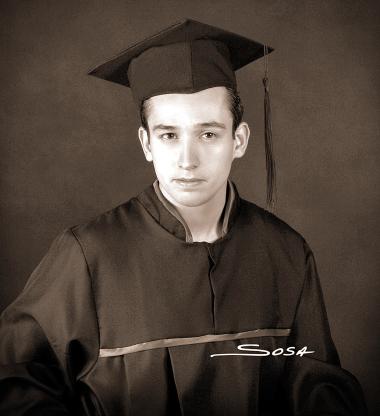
(188, 198)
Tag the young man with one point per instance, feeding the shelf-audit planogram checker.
(186, 299)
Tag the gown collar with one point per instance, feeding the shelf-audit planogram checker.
(169, 218)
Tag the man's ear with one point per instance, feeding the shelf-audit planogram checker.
(241, 138)
(144, 140)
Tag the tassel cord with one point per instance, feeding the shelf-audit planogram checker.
(269, 153)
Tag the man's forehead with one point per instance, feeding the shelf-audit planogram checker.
(219, 92)
(212, 98)
(209, 106)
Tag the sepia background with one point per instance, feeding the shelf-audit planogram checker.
(69, 148)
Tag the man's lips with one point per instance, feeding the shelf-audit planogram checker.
(188, 180)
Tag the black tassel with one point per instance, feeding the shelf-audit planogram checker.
(269, 156)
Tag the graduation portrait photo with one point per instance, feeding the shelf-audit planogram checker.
(188, 208)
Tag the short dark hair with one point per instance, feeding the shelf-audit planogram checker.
(236, 107)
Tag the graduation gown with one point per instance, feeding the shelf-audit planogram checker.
(124, 314)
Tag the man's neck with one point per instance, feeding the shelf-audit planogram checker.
(204, 221)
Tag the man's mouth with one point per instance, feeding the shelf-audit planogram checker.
(188, 179)
(188, 182)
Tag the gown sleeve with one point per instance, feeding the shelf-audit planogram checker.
(49, 336)
(315, 384)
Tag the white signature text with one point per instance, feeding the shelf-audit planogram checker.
(256, 352)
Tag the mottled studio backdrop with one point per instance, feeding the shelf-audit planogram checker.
(69, 148)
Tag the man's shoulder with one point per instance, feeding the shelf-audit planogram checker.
(110, 222)
(270, 227)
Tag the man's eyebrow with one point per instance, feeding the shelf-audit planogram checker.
(212, 124)
(206, 124)
(163, 127)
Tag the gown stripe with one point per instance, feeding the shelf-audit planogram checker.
(174, 342)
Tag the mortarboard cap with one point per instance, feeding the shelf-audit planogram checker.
(187, 57)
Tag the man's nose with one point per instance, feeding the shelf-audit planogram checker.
(188, 157)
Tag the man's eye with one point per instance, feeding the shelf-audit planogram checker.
(167, 136)
(208, 135)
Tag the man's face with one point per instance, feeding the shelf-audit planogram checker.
(192, 145)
